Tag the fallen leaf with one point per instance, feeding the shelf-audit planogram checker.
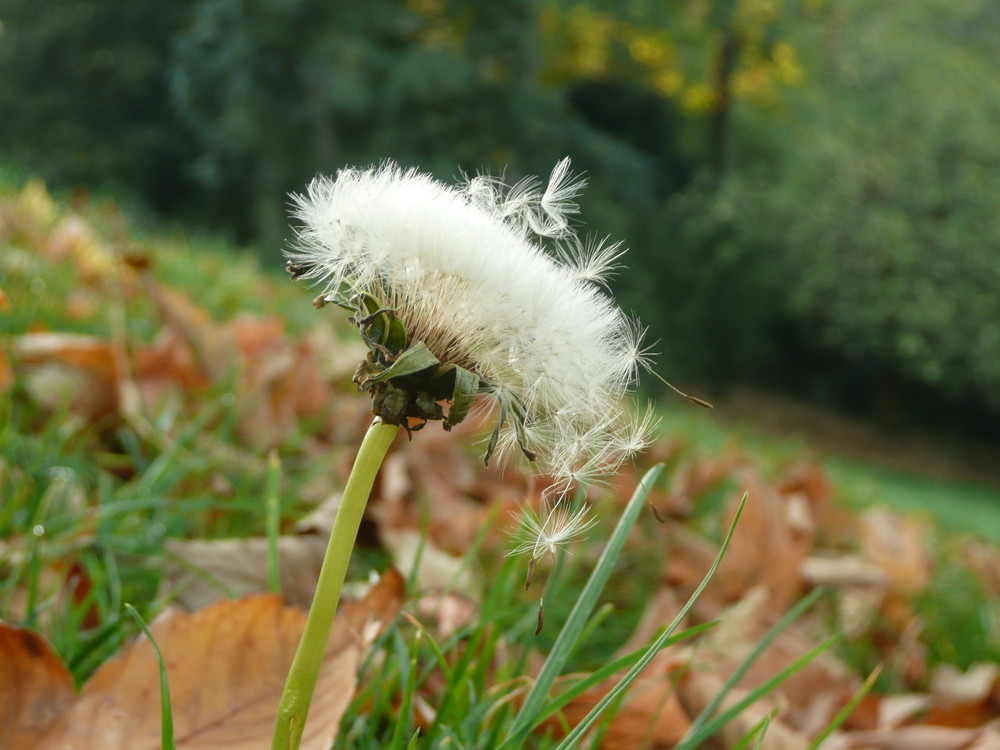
(201, 571)
(35, 688)
(984, 560)
(949, 685)
(211, 343)
(811, 696)
(698, 689)
(842, 570)
(894, 710)
(74, 237)
(69, 368)
(912, 738)
(433, 569)
(6, 373)
(767, 548)
(226, 665)
(897, 544)
(649, 715)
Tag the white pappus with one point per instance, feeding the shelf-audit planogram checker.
(495, 280)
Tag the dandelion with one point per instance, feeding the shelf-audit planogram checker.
(479, 291)
(479, 295)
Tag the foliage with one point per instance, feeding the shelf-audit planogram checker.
(864, 208)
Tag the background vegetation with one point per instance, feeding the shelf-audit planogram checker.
(808, 187)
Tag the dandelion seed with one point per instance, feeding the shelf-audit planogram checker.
(479, 292)
(561, 525)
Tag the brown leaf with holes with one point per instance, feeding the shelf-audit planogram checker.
(35, 688)
(226, 665)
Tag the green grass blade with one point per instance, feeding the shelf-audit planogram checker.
(529, 715)
(847, 710)
(624, 662)
(573, 737)
(404, 722)
(757, 732)
(694, 740)
(166, 714)
(793, 614)
(273, 522)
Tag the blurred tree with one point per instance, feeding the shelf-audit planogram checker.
(83, 93)
(874, 194)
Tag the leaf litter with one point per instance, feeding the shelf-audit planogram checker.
(434, 501)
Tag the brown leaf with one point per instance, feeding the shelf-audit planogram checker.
(650, 715)
(201, 571)
(912, 738)
(811, 696)
(6, 373)
(35, 688)
(773, 538)
(74, 237)
(211, 343)
(897, 544)
(698, 689)
(984, 560)
(226, 665)
(69, 368)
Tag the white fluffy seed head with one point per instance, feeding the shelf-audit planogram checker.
(465, 270)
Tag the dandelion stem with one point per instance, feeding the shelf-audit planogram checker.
(305, 667)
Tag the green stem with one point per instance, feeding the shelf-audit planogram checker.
(305, 666)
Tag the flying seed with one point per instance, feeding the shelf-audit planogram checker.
(541, 617)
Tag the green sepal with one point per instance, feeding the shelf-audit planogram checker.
(464, 393)
(415, 359)
(381, 325)
(495, 437)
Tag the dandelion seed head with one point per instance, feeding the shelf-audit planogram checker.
(491, 278)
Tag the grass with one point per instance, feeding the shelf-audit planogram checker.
(86, 508)
(957, 507)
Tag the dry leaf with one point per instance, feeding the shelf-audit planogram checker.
(226, 666)
(69, 368)
(912, 738)
(74, 237)
(650, 714)
(435, 569)
(811, 696)
(894, 710)
(697, 689)
(35, 688)
(842, 570)
(199, 572)
(767, 548)
(984, 560)
(975, 685)
(896, 543)
(6, 373)
(211, 343)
